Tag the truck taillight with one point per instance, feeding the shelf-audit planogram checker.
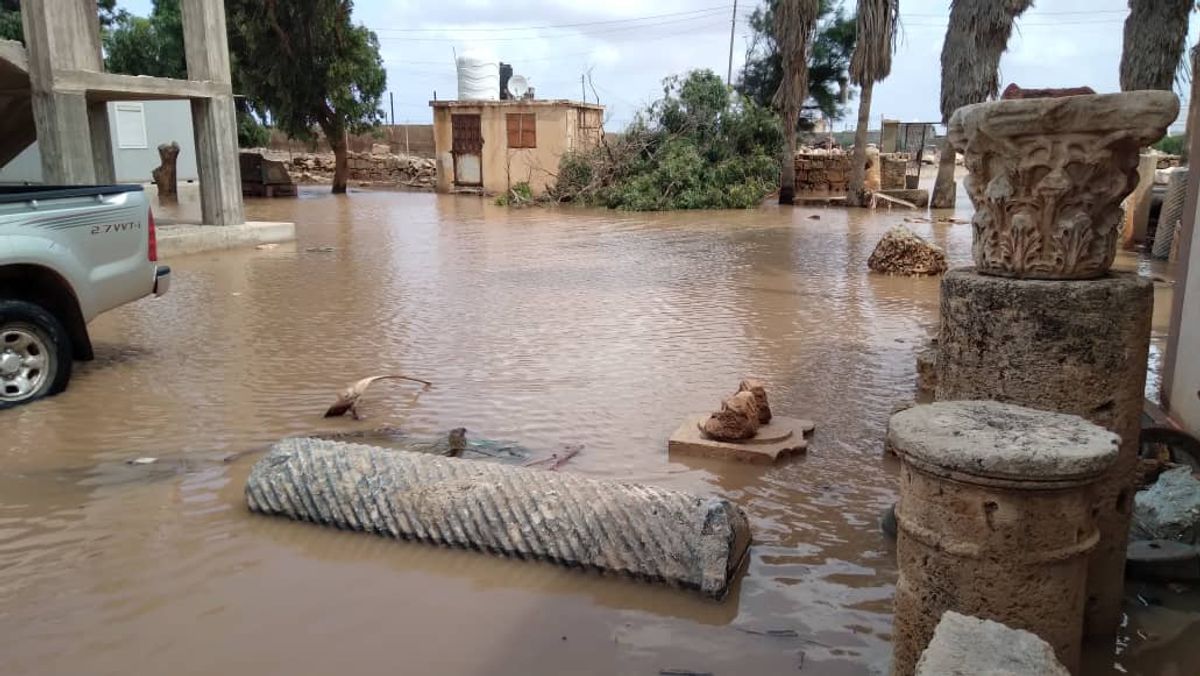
(152, 249)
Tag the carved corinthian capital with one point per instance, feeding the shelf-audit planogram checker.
(1047, 177)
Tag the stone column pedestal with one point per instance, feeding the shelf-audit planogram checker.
(995, 520)
(1072, 346)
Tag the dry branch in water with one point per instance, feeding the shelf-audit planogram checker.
(348, 398)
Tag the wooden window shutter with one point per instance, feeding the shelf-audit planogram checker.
(522, 130)
(529, 130)
(513, 122)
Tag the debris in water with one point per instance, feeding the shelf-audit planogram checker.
(774, 633)
(141, 461)
(348, 398)
(266, 247)
(555, 460)
(814, 217)
(320, 249)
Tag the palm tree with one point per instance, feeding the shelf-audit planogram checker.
(1155, 36)
(975, 39)
(871, 63)
(794, 24)
(1193, 104)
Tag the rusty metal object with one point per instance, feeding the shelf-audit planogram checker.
(647, 532)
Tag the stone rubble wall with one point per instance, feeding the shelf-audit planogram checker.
(822, 171)
(378, 167)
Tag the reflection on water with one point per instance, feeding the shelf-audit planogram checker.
(541, 326)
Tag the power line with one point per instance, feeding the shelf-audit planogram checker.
(720, 8)
(572, 35)
(568, 33)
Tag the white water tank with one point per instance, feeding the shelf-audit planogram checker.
(478, 76)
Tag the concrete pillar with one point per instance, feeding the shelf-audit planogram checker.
(995, 520)
(215, 126)
(61, 35)
(206, 48)
(64, 137)
(102, 152)
(889, 135)
(1073, 346)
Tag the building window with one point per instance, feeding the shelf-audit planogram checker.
(522, 130)
(131, 125)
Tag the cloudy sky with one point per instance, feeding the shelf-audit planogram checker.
(629, 46)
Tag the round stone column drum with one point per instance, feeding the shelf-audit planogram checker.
(1071, 346)
(995, 520)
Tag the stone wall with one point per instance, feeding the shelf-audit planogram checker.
(892, 170)
(402, 139)
(380, 167)
(822, 172)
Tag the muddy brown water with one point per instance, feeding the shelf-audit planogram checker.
(541, 326)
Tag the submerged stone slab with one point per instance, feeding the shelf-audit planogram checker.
(779, 437)
(650, 533)
(968, 646)
(182, 240)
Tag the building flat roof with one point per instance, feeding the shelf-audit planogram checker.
(538, 103)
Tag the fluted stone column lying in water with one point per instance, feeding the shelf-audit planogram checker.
(995, 520)
(643, 531)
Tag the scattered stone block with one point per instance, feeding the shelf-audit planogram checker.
(1169, 509)
(777, 438)
(968, 646)
(903, 252)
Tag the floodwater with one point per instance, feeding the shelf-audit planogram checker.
(541, 326)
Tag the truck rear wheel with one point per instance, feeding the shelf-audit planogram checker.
(35, 353)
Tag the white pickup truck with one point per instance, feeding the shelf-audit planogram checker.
(66, 255)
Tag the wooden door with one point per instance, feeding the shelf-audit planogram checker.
(466, 146)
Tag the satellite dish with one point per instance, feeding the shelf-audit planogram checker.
(517, 86)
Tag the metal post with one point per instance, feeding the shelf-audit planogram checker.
(732, 28)
(582, 90)
(392, 103)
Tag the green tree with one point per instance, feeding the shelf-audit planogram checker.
(154, 46)
(828, 61)
(10, 17)
(700, 146)
(313, 69)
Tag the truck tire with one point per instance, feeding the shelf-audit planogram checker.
(35, 353)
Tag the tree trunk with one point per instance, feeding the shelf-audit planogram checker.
(164, 174)
(787, 174)
(857, 195)
(945, 188)
(341, 166)
(1193, 106)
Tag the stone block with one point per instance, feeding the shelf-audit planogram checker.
(779, 437)
(967, 646)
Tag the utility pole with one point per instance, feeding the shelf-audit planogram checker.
(732, 28)
(392, 102)
(582, 89)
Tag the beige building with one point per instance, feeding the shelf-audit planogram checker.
(492, 145)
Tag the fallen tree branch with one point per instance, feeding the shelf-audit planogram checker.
(555, 460)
